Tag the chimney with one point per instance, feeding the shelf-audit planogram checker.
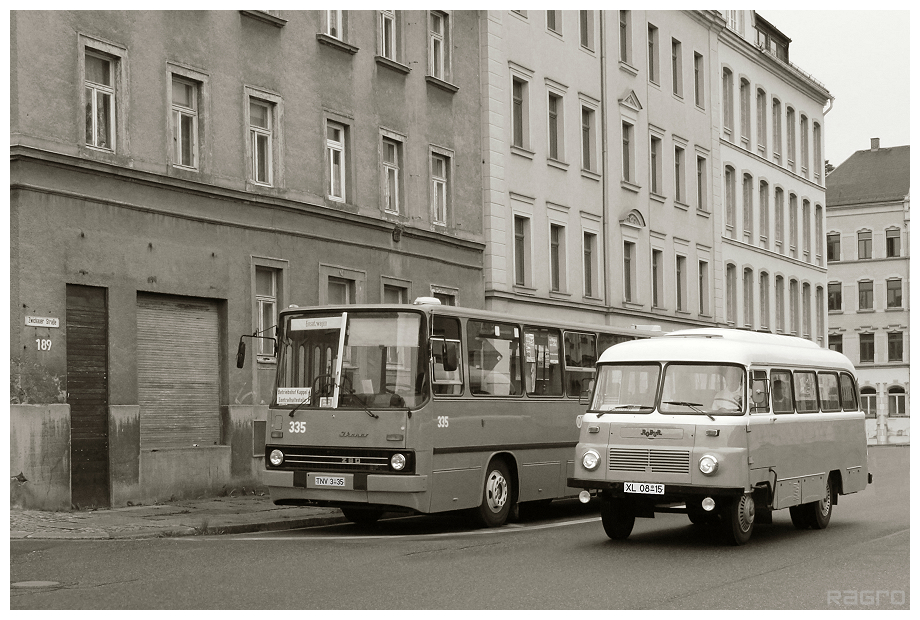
(874, 144)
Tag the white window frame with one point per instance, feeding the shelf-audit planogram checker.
(333, 24)
(266, 312)
(178, 112)
(557, 133)
(588, 136)
(440, 185)
(557, 256)
(388, 44)
(336, 149)
(391, 169)
(95, 90)
(439, 52)
(256, 134)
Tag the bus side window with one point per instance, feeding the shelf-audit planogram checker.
(760, 392)
(849, 399)
(446, 373)
(542, 362)
(829, 391)
(806, 392)
(494, 350)
(781, 389)
(580, 358)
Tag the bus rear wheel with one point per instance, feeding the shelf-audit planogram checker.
(362, 516)
(815, 515)
(738, 519)
(496, 495)
(618, 518)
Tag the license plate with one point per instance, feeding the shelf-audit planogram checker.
(330, 481)
(643, 488)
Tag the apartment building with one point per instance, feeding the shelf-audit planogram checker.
(177, 177)
(868, 287)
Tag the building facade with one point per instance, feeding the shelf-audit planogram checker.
(868, 253)
(178, 177)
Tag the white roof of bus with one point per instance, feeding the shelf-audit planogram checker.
(729, 346)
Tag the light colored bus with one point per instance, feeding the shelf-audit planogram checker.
(725, 426)
(426, 408)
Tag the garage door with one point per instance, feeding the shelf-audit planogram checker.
(178, 371)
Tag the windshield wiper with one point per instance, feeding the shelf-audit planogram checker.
(694, 406)
(619, 407)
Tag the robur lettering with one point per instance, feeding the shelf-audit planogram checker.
(651, 433)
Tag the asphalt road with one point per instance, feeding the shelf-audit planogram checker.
(558, 558)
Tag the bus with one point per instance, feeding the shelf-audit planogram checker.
(724, 425)
(426, 408)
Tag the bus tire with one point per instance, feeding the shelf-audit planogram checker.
(798, 516)
(738, 522)
(818, 514)
(362, 516)
(496, 502)
(618, 518)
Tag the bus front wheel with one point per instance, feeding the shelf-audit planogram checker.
(362, 516)
(738, 521)
(496, 495)
(618, 518)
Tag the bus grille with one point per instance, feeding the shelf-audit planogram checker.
(654, 461)
(338, 459)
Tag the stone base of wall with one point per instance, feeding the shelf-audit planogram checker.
(897, 431)
(40, 457)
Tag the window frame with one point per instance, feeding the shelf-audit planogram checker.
(589, 138)
(440, 65)
(333, 146)
(115, 59)
(654, 73)
(256, 134)
(392, 169)
(446, 182)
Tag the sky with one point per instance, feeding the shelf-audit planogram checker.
(863, 58)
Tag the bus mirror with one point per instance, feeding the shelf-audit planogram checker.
(585, 396)
(240, 354)
(450, 356)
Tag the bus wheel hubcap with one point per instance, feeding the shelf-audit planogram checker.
(496, 491)
(746, 512)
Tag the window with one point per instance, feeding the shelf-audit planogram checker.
(703, 286)
(677, 80)
(868, 398)
(586, 29)
(781, 391)
(100, 101)
(557, 257)
(790, 137)
(745, 112)
(681, 272)
(333, 24)
(446, 354)
(391, 159)
(728, 102)
(701, 189)
(185, 123)
(580, 357)
(867, 348)
(542, 361)
(793, 225)
(340, 291)
(819, 162)
(747, 196)
(747, 284)
(554, 21)
(731, 301)
(335, 158)
(655, 165)
(653, 54)
(589, 247)
(629, 271)
(761, 123)
(698, 80)
(793, 307)
(625, 36)
(864, 244)
(803, 123)
(440, 184)
(780, 217)
(447, 296)
(806, 392)
(806, 230)
(828, 391)
(806, 310)
(820, 314)
(393, 294)
(895, 347)
(260, 141)
(833, 247)
(834, 296)
(439, 55)
(494, 358)
(848, 393)
(780, 293)
(777, 132)
(893, 242)
(521, 250)
(588, 139)
(519, 112)
(730, 201)
(387, 34)
(897, 401)
(627, 131)
(764, 214)
(764, 300)
(657, 257)
(835, 342)
(266, 309)
(819, 235)
(679, 194)
(556, 113)
(894, 293)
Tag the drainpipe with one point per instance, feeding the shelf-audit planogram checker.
(605, 173)
(829, 107)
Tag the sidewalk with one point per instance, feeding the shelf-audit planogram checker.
(215, 515)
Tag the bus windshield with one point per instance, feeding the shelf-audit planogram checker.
(379, 366)
(703, 389)
(627, 388)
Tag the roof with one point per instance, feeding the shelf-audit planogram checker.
(718, 345)
(881, 175)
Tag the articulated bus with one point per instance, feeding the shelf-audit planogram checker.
(725, 426)
(426, 408)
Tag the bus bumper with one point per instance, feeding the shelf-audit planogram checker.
(370, 489)
(615, 489)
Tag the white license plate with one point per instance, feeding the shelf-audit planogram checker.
(644, 488)
(330, 481)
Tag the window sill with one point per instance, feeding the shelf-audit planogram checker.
(866, 311)
(524, 290)
(703, 213)
(392, 64)
(517, 150)
(589, 174)
(325, 39)
(628, 68)
(439, 83)
(830, 312)
(629, 185)
(632, 304)
(266, 17)
(557, 163)
(682, 206)
(559, 294)
(895, 309)
(657, 197)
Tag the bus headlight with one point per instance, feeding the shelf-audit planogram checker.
(709, 464)
(398, 461)
(276, 457)
(591, 460)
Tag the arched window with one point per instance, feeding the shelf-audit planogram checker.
(868, 398)
(897, 401)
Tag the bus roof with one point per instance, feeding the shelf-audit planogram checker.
(729, 346)
(473, 313)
